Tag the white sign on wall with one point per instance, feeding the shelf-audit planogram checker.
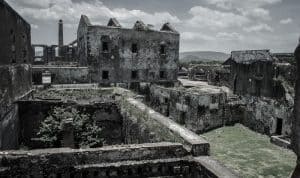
(46, 79)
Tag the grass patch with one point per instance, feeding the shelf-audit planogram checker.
(250, 154)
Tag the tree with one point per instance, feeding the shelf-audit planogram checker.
(86, 131)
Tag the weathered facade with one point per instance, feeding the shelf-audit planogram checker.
(264, 83)
(119, 55)
(15, 70)
(252, 73)
(55, 55)
(199, 109)
(65, 74)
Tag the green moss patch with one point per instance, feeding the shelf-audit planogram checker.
(250, 154)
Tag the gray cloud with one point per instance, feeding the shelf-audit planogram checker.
(221, 25)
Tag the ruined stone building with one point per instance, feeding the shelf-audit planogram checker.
(59, 60)
(251, 72)
(57, 54)
(198, 108)
(15, 70)
(121, 55)
(214, 74)
(136, 140)
(151, 132)
(265, 83)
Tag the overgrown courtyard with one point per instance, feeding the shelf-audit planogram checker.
(250, 154)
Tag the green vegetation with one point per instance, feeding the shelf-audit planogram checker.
(73, 94)
(86, 132)
(249, 153)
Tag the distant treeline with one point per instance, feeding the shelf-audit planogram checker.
(187, 64)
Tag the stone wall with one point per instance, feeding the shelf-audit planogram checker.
(15, 83)
(267, 116)
(255, 79)
(213, 74)
(9, 127)
(44, 54)
(131, 161)
(117, 55)
(15, 71)
(197, 109)
(61, 74)
(142, 122)
(15, 37)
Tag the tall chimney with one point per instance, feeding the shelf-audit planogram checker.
(60, 37)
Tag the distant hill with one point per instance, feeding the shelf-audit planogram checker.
(203, 56)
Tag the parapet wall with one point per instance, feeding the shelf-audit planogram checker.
(55, 161)
(131, 161)
(160, 128)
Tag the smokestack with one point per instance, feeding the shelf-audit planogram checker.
(60, 33)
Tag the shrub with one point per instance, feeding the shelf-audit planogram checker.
(86, 131)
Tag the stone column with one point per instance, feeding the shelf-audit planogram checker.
(68, 133)
(296, 119)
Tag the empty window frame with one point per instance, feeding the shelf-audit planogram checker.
(105, 75)
(38, 51)
(134, 48)
(162, 75)
(162, 49)
(134, 74)
(104, 46)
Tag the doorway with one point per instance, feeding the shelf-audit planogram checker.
(279, 126)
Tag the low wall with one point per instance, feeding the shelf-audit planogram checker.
(144, 160)
(61, 75)
(156, 127)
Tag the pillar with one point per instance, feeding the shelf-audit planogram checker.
(68, 133)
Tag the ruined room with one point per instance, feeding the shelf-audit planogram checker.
(196, 89)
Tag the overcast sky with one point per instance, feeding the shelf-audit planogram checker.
(204, 25)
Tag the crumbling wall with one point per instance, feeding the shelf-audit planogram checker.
(213, 74)
(197, 110)
(15, 71)
(15, 83)
(255, 79)
(61, 74)
(268, 116)
(54, 54)
(117, 55)
(65, 161)
(144, 160)
(9, 128)
(145, 123)
(15, 37)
